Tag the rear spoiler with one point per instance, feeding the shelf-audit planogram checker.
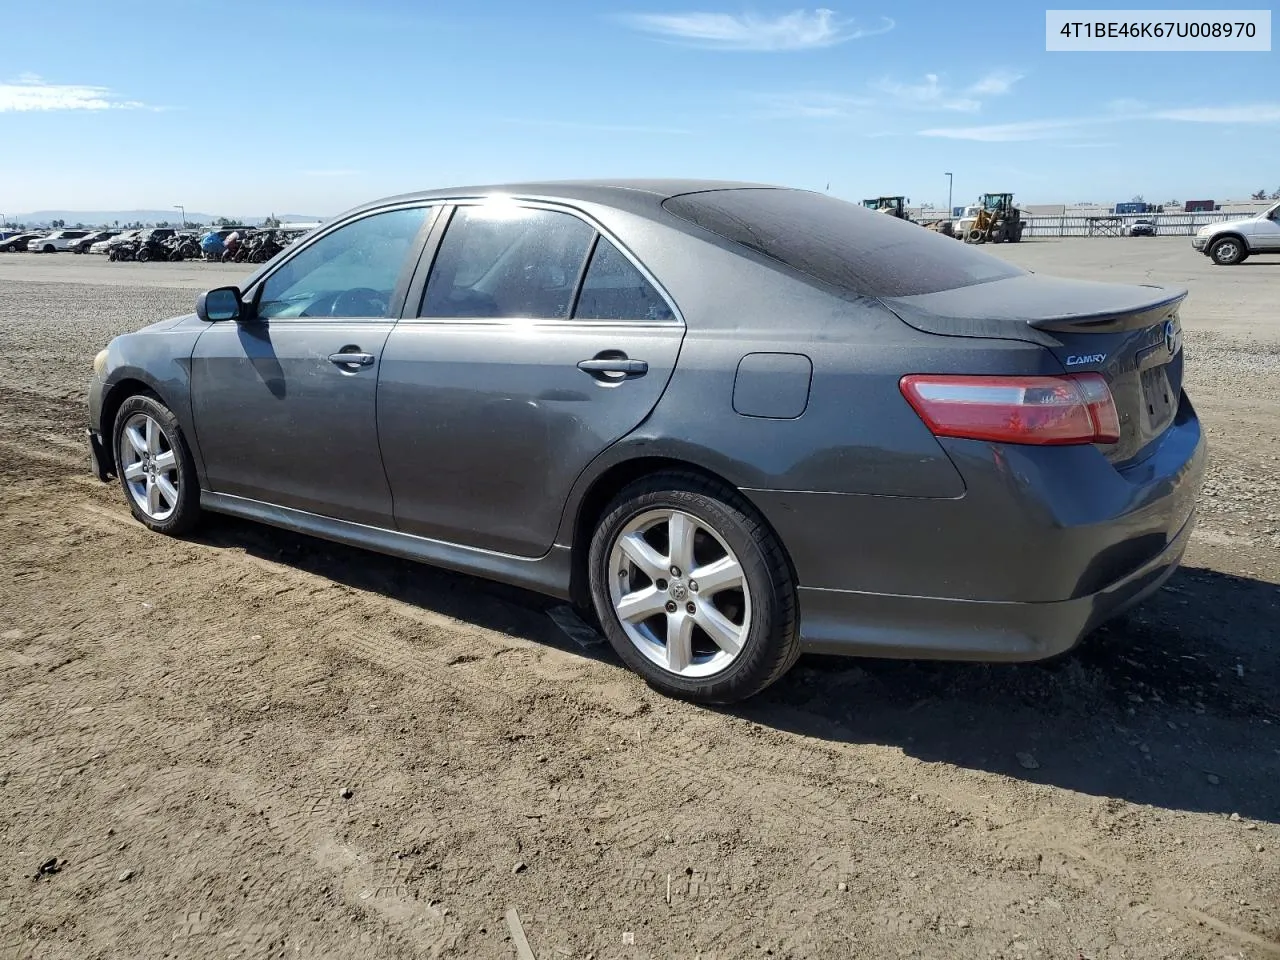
(1113, 321)
(1034, 308)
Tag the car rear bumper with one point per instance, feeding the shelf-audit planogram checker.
(1044, 544)
(848, 623)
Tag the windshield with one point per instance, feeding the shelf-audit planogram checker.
(839, 243)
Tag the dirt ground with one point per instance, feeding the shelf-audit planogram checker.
(253, 744)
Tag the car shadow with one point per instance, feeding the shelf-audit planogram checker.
(1173, 705)
(483, 603)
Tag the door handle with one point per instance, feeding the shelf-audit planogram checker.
(613, 368)
(351, 359)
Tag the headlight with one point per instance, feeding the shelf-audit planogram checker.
(100, 363)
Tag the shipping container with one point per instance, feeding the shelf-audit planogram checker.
(1198, 206)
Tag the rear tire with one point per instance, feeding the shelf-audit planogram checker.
(1228, 251)
(143, 255)
(155, 466)
(719, 641)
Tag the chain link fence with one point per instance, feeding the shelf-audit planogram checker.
(1167, 224)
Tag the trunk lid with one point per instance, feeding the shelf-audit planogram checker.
(1131, 334)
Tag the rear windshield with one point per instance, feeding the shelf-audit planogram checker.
(839, 243)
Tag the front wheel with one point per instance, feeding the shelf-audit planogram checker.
(693, 590)
(155, 467)
(1228, 251)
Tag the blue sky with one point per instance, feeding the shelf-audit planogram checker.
(311, 107)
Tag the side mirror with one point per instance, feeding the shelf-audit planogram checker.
(219, 305)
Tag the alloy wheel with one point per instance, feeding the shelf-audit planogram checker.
(150, 466)
(679, 593)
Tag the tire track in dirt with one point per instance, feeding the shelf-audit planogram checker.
(783, 798)
(685, 767)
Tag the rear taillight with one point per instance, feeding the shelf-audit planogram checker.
(1077, 408)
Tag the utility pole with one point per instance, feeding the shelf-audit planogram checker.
(950, 180)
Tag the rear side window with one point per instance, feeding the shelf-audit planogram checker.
(500, 260)
(613, 289)
(841, 244)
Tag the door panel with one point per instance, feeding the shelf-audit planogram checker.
(278, 421)
(1266, 235)
(486, 425)
(485, 416)
(281, 414)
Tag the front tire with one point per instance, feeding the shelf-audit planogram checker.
(1228, 251)
(693, 590)
(155, 467)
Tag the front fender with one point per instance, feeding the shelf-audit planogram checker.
(157, 359)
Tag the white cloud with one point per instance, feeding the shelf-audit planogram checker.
(1122, 112)
(30, 93)
(994, 84)
(797, 30)
(1009, 132)
(1126, 105)
(1246, 113)
(595, 127)
(814, 106)
(930, 94)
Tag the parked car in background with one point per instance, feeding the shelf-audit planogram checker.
(964, 223)
(1142, 228)
(156, 243)
(18, 242)
(59, 240)
(84, 243)
(1234, 241)
(104, 246)
(224, 232)
(737, 421)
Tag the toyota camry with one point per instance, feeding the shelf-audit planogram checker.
(734, 422)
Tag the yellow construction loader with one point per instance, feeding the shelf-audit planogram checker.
(997, 220)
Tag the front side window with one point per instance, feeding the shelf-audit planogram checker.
(351, 272)
(502, 260)
(613, 289)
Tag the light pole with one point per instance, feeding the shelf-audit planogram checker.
(950, 180)
(178, 206)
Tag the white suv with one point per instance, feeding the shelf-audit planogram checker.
(61, 240)
(1234, 241)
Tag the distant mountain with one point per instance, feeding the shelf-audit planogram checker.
(92, 218)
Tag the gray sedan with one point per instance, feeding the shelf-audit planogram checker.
(734, 421)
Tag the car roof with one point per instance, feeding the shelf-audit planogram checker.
(636, 195)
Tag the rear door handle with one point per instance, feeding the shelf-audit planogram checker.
(620, 366)
(351, 359)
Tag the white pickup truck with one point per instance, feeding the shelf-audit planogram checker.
(1234, 241)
